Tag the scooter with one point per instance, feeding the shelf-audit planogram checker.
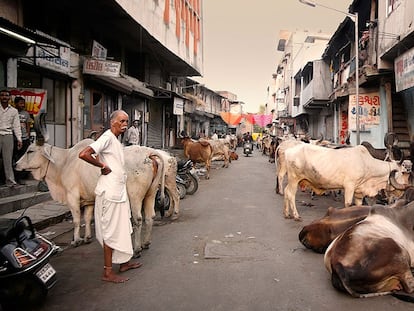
(26, 275)
(186, 171)
(247, 148)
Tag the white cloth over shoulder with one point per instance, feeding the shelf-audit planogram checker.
(111, 152)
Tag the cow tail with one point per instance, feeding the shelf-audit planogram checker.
(159, 179)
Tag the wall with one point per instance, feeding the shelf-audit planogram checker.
(179, 30)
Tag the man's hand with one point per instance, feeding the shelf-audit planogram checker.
(19, 145)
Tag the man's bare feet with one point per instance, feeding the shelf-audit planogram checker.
(110, 276)
(129, 265)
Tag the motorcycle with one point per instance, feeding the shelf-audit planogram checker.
(186, 171)
(26, 275)
(164, 206)
(247, 148)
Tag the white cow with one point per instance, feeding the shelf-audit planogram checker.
(170, 177)
(352, 169)
(72, 181)
(221, 150)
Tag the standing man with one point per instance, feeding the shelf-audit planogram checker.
(132, 134)
(9, 124)
(25, 120)
(112, 211)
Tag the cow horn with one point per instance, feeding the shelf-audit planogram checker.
(395, 183)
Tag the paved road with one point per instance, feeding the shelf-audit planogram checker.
(231, 249)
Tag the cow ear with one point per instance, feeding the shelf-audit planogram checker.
(47, 153)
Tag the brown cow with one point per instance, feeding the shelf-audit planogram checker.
(374, 257)
(320, 233)
(198, 151)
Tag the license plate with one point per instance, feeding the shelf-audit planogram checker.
(46, 273)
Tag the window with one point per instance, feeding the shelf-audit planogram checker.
(392, 5)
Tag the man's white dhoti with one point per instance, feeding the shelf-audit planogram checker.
(113, 226)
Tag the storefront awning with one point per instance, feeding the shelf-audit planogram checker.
(125, 84)
(16, 39)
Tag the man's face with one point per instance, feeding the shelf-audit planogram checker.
(4, 98)
(120, 123)
(21, 105)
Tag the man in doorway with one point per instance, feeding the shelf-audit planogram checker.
(132, 136)
(9, 125)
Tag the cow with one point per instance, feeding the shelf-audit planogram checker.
(72, 181)
(352, 169)
(321, 232)
(198, 151)
(281, 168)
(374, 257)
(170, 177)
(221, 150)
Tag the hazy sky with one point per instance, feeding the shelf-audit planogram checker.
(240, 41)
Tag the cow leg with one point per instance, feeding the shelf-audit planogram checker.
(174, 208)
(87, 215)
(76, 217)
(289, 201)
(280, 174)
(149, 214)
(208, 164)
(136, 228)
(348, 196)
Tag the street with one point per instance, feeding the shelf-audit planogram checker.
(230, 249)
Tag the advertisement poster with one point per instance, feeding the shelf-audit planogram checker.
(36, 99)
(369, 111)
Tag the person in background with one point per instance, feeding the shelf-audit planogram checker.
(132, 136)
(25, 121)
(215, 136)
(112, 210)
(9, 125)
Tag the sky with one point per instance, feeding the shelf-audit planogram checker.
(240, 41)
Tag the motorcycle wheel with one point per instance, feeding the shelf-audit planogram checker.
(192, 184)
(23, 292)
(181, 190)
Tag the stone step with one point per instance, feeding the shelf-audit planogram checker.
(21, 196)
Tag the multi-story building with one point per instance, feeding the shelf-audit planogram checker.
(301, 50)
(78, 61)
(385, 84)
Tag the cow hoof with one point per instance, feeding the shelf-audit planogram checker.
(174, 217)
(76, 243)
(146, 246)
(87, 240)
(298, 219)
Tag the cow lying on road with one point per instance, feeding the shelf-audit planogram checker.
(320, 233)
(374, 257)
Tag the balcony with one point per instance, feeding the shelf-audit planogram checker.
(315, 93)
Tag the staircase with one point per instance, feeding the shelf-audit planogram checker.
(400, 126)
(28, 200)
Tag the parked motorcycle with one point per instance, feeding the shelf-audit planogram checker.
(247, 148)
(26, 275)
(163, 206)
(186, 171)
